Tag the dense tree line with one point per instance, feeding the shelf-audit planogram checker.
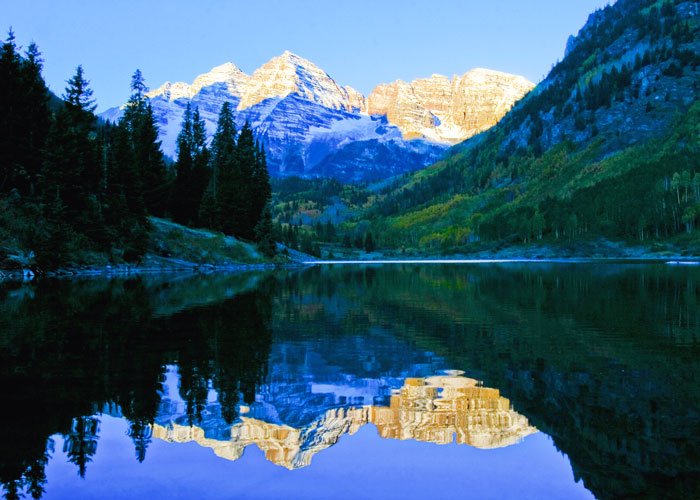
(73, 187)
(68, 181)
(235, 199)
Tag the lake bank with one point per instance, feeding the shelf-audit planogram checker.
(151, 265)
(184, 253)
(113, 271)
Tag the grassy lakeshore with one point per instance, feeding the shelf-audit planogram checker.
(171, 248)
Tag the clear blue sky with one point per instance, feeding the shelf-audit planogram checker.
(360, 43)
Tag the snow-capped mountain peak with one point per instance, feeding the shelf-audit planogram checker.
(227, 73)
(291, 74)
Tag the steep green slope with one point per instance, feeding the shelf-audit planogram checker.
(605, 147)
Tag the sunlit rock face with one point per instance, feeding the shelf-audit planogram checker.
(356, 100)
(439, 410)
(441, 110)
(312, 126)
(398, 102)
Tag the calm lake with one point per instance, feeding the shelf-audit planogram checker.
(485, 381)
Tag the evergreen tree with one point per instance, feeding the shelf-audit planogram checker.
(359, 242)
(260, 189)
(35, 116)
(138, 119)
(222, 189)
(36, 477)
(125, 211)
(247, 180)
(191, 169)
(307, 245)
(330, 231)
(80, 184)
(152, 164)
(72, 170)
(141, 435)
(369, 243)
(200, 163)
(291, 237)
(78, 95)
(24, 118)
(179, 208)
(10, 86)
(208, 216)
(81, 443)
(263, 233)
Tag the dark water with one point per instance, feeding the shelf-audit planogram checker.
(404, 381)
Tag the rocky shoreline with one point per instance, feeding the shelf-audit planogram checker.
(113, 271)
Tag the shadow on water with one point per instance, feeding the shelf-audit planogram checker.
(604, 358)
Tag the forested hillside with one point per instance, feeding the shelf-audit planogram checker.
(75, 190)
(607, 146)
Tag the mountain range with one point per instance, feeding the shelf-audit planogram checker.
(311, 126)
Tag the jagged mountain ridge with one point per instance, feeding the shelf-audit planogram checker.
(313, 126)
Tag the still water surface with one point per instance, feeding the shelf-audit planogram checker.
(501, 380)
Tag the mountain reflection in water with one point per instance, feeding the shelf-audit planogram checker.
(602, 358)
(438, 409)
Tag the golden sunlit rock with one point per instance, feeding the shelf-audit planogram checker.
(448, 111)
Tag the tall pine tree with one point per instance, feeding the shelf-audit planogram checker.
(72, 170)
(260, 185)
(191, 170)
(10, 68)
(24, 118)
(263, 233)
(218, 206)
(35, 116)
(244, 185)
(200, 164)
(139, 121)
